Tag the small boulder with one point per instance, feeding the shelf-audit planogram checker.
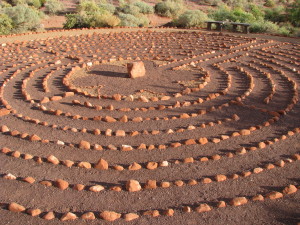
(133, 186)
(136, 69)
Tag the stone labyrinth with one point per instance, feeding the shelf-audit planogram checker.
(210, 132)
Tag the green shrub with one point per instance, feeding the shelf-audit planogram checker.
(129, 20)
(4, 4)
(130, 9)
(74, 20)
(144, 7)
(269, 3)
(35, 3)
(191, 18)
(5, 24)
(294, 13)
(88, 7)
(276, 15)
(264, 27)
(54, 6)
(256, 11)
(169, 8)
(107, 7)
(224, 13)
(24, 18)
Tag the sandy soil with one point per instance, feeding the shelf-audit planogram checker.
(244, 133)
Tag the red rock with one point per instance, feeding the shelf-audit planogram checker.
(238, 201)
(84, 145)
(203, 141)
(34, 137)
(29, 180)
(55, 98)
(52, 159)
(101, 165)
(221, 204)
(4, 129)
(203, 208)
(46, 183)
(131, 216)
(274, 195)
(137, 119)
(220, 177)
(96, 188)
(133, 186)
(152, 165)
(85, 165)
(34, 212)
(88, 216)
(124, 119)
(49, 216)
(110, 215)
(258, 198)
(14, 207)
(61, 184)
(151, 184)
(68, 163)
(134, 166)
(169, 212)
(68, 216)
(190, 142)
(109, 119)
(290, 190)
(4, 112)
(120, 133)
(126, 148)
(245, 132)
(78, 187)
(136, 69)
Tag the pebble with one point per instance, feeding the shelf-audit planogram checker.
(133, 186)
(221, 204)
(169, 212)
(78, 187)
(68, 216)
(110, 215)
(68, 163)
(164, 164)
(258, 198)
(203, 140)
(34, 137)
(220, 177)
(9, 176)
(15, 207)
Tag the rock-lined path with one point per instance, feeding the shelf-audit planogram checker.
(210, 134)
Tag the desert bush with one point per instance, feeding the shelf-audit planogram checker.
(35, 3)
(107, 7)
(4, 5)
(129, 9)
(256, 11)
(263, 26)
(191, 18)
(54, 6)
(144, 7)
(74, 20)
(269, 3)
(294, 13)
(129, 20)
(169, 8)
(24, 18)
(103, 20)
(224, 13)
(88, 7)
(276, 14)
(5, 24)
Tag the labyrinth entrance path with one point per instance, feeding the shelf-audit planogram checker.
(210, 135)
